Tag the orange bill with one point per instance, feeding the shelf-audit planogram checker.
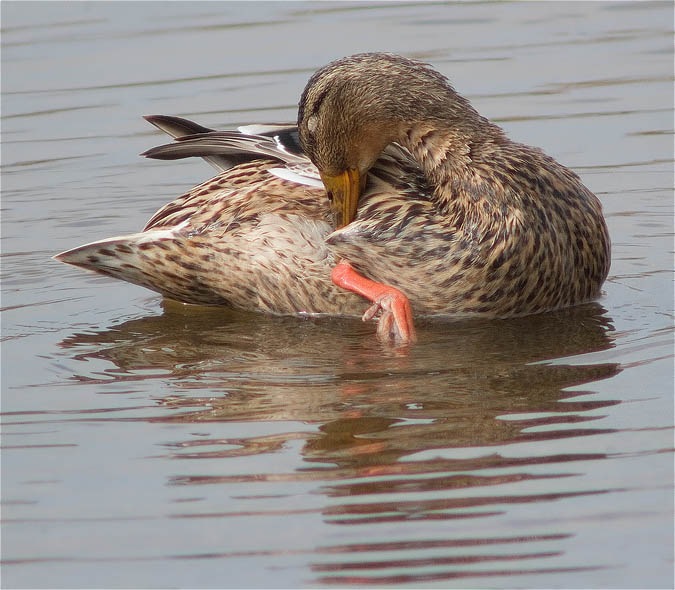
(344, 190)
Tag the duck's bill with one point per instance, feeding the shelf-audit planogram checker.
(344, 190)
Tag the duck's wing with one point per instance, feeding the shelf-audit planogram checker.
(396, 184)
(274, 143)
(176, 126)
(246, 238)
(225, 149)
(232, 239)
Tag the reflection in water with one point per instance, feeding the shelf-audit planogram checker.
(416, 571)
(402, 434)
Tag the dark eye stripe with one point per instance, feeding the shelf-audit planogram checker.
(305, 112)
(319, 100)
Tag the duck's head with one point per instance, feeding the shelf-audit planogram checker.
(354, 107)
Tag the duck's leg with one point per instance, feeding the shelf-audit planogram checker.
(396, 321)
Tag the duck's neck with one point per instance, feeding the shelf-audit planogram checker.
(447, 150)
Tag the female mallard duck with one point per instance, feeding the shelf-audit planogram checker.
(391, 187)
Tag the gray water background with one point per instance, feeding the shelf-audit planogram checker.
(152, 445)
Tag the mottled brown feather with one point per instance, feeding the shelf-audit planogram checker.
(454, 214)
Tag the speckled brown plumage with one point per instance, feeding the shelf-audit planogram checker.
(245, 239)
(453, 213)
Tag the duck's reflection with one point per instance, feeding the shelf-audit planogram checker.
(372, 404)
(403, 434)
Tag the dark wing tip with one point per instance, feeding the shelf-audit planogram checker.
(176, 126)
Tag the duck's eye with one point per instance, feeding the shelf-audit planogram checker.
(312, 122)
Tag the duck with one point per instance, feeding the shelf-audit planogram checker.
(390, 198)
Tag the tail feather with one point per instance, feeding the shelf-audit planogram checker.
(118, 257)
(147, 259)
(226, 149)
(176, 126)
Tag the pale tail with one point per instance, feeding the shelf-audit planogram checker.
(127, 258)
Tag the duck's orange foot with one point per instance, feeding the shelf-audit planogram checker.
(396, 320)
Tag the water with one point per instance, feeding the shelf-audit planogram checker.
(150, 445)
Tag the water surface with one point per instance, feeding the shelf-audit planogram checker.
(148, 444)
